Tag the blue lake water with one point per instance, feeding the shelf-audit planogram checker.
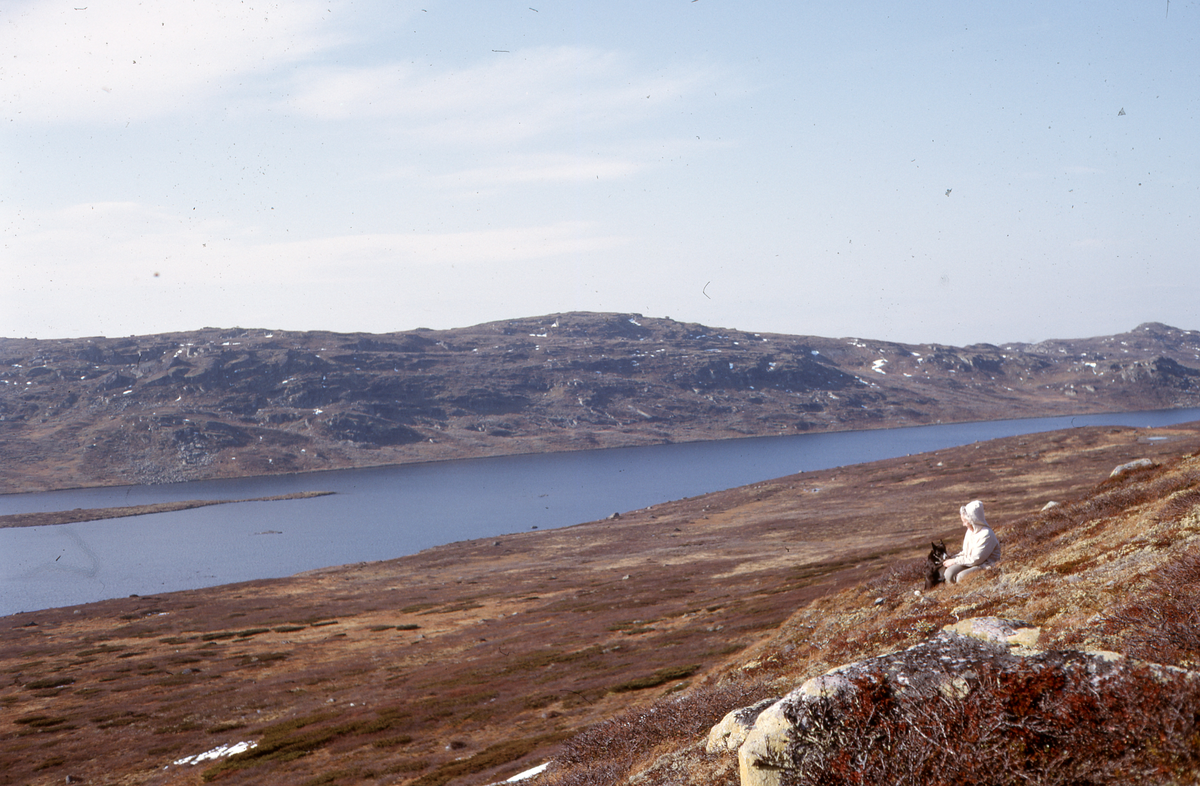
(387, 512)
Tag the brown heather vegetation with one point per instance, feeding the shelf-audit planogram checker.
(612, 647)
(1117, 570)
(1065, 726)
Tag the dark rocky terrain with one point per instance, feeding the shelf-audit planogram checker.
(222, 403)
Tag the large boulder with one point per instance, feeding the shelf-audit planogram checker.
(1131, 467)
(979, 685)
(730, 733)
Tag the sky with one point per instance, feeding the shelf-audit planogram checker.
(935, 172)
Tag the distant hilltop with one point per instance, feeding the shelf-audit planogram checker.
(224, 403)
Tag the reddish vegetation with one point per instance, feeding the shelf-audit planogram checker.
(1114, 569)
(476, 660)
(1163, 623)
(1058, 723)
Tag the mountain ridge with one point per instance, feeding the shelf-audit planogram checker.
(235, 402)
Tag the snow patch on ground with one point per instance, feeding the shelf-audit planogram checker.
(520, 776)
(219, 752)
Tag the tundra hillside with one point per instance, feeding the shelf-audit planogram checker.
(1104, 590)
(608, 648)
(224, 403)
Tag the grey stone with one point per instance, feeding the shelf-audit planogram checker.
(1132, 466)
(948, 665)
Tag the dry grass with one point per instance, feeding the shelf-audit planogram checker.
(605, 753)
(1117, 569)
(531, 634)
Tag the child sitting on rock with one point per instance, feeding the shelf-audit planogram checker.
(980, 549)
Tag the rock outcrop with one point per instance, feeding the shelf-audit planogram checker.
(87, 411)
(980, 684)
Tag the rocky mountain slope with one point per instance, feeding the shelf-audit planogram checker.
(223, 403)
(612, 647)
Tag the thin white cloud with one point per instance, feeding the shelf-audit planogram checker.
(541, 169)
(56, 246)
(117, 60)
(168, 271)
(513, 96)
(621, 161)
(94, 245)
(114, 238)
(371, 255)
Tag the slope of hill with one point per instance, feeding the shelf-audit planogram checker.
(608, 647)
(1114, 573)
(223, 403)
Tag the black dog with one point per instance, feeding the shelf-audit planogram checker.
(936, 572)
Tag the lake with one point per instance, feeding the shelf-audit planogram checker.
(386, 512)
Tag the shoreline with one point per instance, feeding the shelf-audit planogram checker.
(500, 453)
(51, 518)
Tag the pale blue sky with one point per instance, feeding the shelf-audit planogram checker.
(380, 166)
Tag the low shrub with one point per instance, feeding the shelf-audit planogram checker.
(486, 759)
(219, 635)
(1180, 505)
(50, 682)
(660, 677)
(40, 721)
(1017, 727)
(279, 743)
(262, 659)
(1162, 623)
(393, 742)
(898, 578)
(52, 762)
(604, 753)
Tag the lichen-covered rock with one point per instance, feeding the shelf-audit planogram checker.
(1010, 633)
(764, 756)
(981, 679)
(826, 686)
(1132, 466)
(730, 733)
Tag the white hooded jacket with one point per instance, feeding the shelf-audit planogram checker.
(980, 547)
